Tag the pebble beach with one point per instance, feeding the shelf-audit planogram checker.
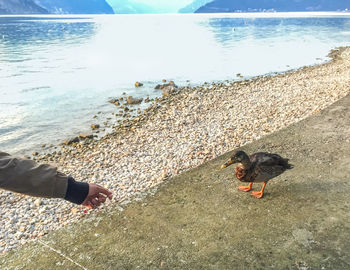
(176, 133)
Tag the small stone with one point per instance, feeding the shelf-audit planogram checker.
(37, 202)
(138, 84)
(95, 126)
(113, 100)
(166, 93)
(86, 136)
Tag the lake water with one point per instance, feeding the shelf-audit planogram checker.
(57, 72)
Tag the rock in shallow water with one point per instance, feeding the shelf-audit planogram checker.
(86, 136)
(132, 101)
(71, 141)
(138, 84)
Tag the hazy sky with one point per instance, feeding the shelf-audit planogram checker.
(165, 4)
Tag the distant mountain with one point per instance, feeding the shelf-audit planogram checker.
(20, 7)
(196, 4)
(76, 6)
(128, 7)
(274, 5)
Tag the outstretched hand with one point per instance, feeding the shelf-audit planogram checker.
(96, 196)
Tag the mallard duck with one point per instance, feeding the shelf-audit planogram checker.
(257, 168)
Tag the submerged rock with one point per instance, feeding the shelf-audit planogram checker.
(132, 101)
(71, 141)
(114, 101)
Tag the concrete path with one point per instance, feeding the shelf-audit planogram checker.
(199, 220)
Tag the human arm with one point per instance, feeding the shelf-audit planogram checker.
(27, 177)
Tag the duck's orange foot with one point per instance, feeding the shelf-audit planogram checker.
(257, 194)
(244, 188)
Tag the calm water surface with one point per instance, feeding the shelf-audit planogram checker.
(57, 72)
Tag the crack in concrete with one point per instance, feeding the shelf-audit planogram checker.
(61, 254)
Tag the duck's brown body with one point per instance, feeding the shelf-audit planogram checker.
(259, 167)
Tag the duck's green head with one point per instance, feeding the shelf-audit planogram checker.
(237, 157)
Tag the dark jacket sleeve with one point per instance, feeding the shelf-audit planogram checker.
(27, 177)
(76, 191)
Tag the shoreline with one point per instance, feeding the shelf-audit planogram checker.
(183, 131)
(229, 14)
(132, 118)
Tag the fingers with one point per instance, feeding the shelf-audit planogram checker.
(91, 203)
(98, 199)
(101, 198)
(95, 202)
(87, 204)
(96, 196)
(104, 191)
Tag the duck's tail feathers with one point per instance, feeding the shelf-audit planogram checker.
(287, 165)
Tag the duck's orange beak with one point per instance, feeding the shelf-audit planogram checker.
(226, 164)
